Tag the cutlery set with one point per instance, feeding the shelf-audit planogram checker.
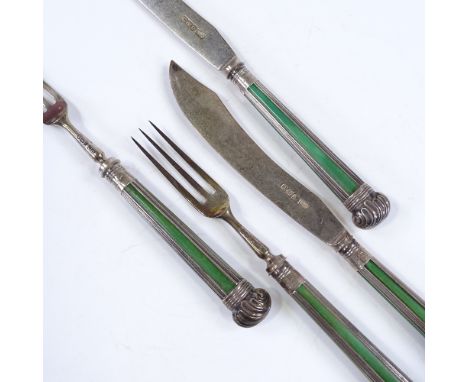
(209, 116)
(248, 305)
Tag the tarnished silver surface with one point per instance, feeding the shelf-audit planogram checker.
(193, 29)
(208, 42)
(246, 77)
(55, 112)
(112, 170)
(248, 305)
(284, 273)
(215, 204)
(368, 207)
(351, 250)
(213, 121)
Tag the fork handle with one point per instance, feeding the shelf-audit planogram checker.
(365, 355)
(86, 144)
(373, 363)
(368, 207)
(248, 305)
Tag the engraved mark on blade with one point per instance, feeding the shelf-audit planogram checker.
(294, 196)
(193, 27)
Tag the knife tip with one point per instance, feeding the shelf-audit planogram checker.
(174, 67)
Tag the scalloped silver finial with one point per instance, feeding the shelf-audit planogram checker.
(249, 305)
(368, 207)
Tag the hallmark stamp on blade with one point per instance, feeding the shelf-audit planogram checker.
(193, 27)
(294, 196)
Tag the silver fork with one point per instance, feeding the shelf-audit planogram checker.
(55, 112)
(215, 204)
(248, 305)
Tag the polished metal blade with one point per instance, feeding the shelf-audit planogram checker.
(193, 29)
(213, 121)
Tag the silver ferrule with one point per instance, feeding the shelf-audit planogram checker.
(284, 273)
(114, 172)
(351, 250)
(237, 72)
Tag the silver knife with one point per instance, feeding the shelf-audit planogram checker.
(367, 206)
(210, 117)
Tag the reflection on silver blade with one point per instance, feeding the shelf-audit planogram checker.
(193, 29)
(210, 117)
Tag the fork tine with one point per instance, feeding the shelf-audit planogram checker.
(189, 161)
(54, 107)
(187, 195)
(181, 171)
(49, 89)
(46, 87)
(46, 103)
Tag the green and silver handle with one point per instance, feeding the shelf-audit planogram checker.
(365, 355)
(368, 207)
(248, 305)
(407, 302)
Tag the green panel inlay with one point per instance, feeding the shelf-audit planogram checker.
(396, 289)
(206, 264)
(336, 172)
(340, 328)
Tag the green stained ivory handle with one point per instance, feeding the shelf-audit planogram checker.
(249, 305)
(325, 163)
(365, 355)
(198, 257)
(410, 305)
(368, 208)
(358, 347)
(407, 302)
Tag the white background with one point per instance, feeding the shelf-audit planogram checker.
(119, 304)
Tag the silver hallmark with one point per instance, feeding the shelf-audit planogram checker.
(214, 122)
(206, 40)
(293, 195)
(193, 27)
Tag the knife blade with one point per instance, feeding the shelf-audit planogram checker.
(368, 207)
(210, 117)
(214, 122)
